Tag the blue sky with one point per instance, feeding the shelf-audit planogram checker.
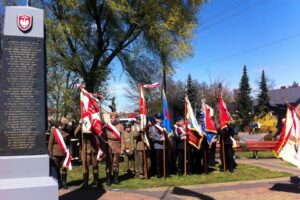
(261, 34)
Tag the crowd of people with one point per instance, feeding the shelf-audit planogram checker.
(146, 153)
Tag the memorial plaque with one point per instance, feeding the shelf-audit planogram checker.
(22, 85)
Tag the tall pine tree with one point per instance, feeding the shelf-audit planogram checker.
(263, 97)
(244, 101)
(191, 91)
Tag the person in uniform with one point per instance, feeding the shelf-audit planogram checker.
(114, 135)
(180, 137)
(140, 145)
(129, 150)
(56, 154)
(226, 135)
(89, 151)
(158, 135)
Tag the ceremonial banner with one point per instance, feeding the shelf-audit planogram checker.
(63, 147)
(90, 112)
(143, 108)
(195, 134)
(225, 117)
(288, 146)
(166, 121)
(208, 126)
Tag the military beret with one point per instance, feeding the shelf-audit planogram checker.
(158, 116)
(179, 118)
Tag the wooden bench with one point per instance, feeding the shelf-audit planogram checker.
(257, 146)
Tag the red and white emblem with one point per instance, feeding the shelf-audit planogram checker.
(24, 22)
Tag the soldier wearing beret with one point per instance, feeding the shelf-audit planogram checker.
(129, 149)
(180, 136)
(114, 135)
(158, 135)
(56, 153)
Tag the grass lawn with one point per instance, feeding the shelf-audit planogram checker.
(243, 172)
(249, 154)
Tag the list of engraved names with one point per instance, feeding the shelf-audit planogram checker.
(21, 107)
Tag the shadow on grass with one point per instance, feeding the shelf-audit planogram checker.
(293, 187)
(90, 193)
(190, 193)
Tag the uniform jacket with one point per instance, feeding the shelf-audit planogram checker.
(88, 143)
(53, 147)
(138, 137)
(177, 137)
(113, 142)
(156, 137)
(129, 142)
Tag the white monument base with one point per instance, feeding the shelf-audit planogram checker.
(26, 178)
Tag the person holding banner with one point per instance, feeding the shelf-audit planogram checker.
(114, 135)
(158, 135)
(140, 145)
(59, 152)
(89, 154)
(180, 136)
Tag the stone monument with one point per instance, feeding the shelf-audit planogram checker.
(24, 164)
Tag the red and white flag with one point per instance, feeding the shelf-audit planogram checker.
(225, 116)
(63, 147)
(152, 85)
(143, 108)
(288, 146)
(90, 112)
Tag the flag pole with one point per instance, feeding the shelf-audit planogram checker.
(184, 150)
(145, 156)
(221, 135)
(205, 151)
(143, 139)
(83, 141)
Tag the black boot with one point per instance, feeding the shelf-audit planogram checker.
(115, 179)
(64, 181)
(96, 180)
(108, 178)
(85, 180)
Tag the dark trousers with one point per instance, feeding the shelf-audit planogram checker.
(196, 160)
(204, 158)
(160, 163)
(228, 156)
(58, 163)
(212, 154)
(180, 154)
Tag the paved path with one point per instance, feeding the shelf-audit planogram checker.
(270, 189)
(246, 137)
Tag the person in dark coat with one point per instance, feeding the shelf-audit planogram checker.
(158, 136)
(180, 136)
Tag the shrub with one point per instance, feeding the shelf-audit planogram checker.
(268, 137)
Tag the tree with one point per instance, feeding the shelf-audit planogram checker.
(244, 101)
(62, 93)
(87, 36)
(263, 97)
(191, 91)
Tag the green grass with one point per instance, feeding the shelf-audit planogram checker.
(243, 172)
(249, 154)
(285, 163)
